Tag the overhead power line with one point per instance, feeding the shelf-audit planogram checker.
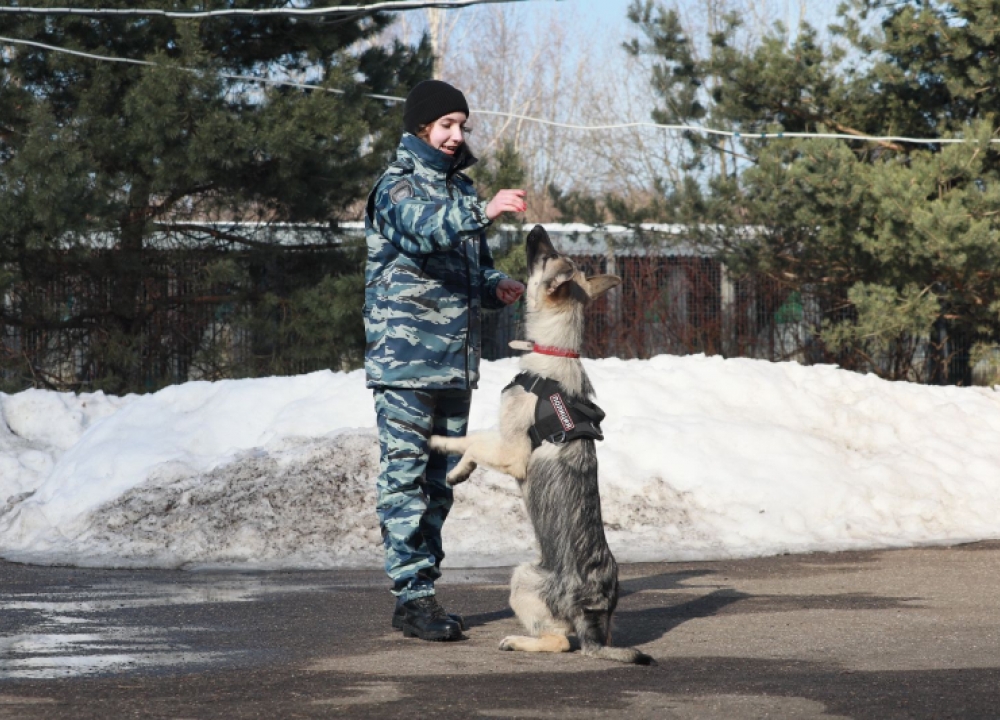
(227, 76)
(527, 118)
(730, 133)
(736, 134)
(391, 6)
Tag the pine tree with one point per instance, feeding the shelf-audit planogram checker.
(501, 170)
(114, 176)
(898, 243)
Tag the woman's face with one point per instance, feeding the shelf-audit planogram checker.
(447, 133)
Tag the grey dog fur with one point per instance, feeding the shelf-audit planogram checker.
(573, 586)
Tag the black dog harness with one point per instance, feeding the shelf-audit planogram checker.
(556, 420)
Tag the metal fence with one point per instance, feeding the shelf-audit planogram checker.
(62, 331)
(688, 304)
(674, 302)
(678, 305)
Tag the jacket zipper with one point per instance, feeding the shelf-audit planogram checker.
(468, 291)
(468, 314)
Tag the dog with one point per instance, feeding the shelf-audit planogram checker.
(573, 587)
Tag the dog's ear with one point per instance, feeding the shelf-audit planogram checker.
(538, 245)
(600, 284)
(557, 281)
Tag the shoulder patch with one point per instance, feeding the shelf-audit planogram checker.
(400, 191)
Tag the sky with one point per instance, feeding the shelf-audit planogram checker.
(605, 11)
(612, 13)
(704, 458)
(789, 9)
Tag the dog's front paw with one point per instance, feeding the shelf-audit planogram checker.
(438, 443)
(457, 476)
(508, 643)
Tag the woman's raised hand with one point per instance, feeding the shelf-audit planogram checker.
(506, 201)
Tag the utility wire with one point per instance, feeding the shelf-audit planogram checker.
(736, 134)
(395, 5)
(540, 121)
(227, 76)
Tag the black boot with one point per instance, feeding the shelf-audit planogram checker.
(423, 618)
(397, 618)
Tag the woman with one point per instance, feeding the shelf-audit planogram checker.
(429, 274)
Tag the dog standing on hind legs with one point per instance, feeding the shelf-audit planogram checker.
(548, 425)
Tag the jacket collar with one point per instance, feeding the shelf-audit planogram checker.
(435, 159)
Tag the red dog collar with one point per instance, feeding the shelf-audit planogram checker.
(557, 351)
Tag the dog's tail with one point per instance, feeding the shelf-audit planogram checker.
(618, 654)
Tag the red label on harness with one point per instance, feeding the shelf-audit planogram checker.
(561, 412)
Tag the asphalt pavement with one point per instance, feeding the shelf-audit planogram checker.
(890, 634)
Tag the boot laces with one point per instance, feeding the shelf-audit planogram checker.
(430, 605)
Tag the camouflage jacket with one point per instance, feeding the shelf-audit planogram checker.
(429, 272)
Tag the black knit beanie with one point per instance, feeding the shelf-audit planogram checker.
(429, 100)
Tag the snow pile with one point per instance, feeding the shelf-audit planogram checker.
(703, 458)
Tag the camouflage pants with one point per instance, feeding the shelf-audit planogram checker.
(413, 497)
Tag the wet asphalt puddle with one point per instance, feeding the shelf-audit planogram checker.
(120, 626)
(64, 622)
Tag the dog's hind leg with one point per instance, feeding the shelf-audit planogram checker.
(547, 642)
(618, 654)
(593, 628)
(547, 633)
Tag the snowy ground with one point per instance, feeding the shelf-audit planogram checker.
(704, 458)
